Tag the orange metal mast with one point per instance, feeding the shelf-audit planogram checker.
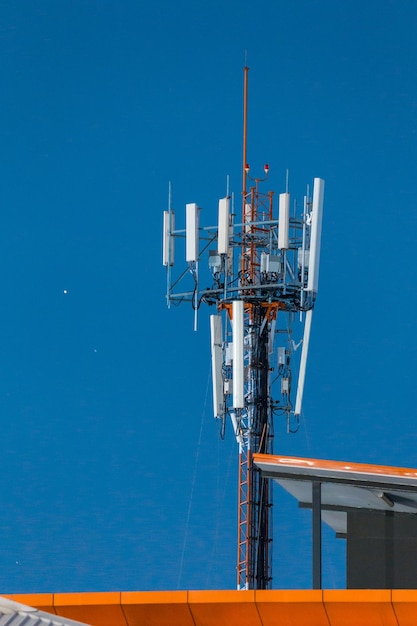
(254, 501)
(245, 167)
(245, 125)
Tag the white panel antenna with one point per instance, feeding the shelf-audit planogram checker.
(303, 363)
(216, 364)
(238, 369)
(284, 221)
(248, 216)
(223, 230)
(191, 232)
(315, 241)
(168, 240)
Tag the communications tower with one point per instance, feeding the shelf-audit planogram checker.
(262, 265)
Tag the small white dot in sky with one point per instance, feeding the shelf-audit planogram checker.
(65, 291)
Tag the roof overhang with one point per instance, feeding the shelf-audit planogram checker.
(344, 485)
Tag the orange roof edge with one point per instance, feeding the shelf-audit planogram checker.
(89, 598)
(289, 595)
(209, 608)
(154, 597)
(222, 595)
(342, 466)
(41, 601)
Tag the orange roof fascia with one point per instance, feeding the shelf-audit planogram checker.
(92, 608)
(234, 608)
(339, 466)
(404, 602)
(291, 606)
(210, 608)
(156, 608)
(40, 601)
(360, 606)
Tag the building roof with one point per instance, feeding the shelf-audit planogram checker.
(234, 608)
(344, 485)
(13, 613)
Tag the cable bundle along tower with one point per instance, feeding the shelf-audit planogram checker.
(263, 266)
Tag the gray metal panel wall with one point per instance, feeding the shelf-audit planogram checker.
(381, 550)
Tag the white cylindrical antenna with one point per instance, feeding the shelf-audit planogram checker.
(302, 265)
(216, 364)
(191, 232)
(303, 363)
(238, 369)
(315, 237)
(168, 240)
(223, 231)
(284, 221)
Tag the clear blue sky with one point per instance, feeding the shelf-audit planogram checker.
(107, 429)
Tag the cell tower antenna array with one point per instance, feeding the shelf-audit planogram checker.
(263, 270)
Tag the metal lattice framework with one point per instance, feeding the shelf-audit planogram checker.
(263, 271)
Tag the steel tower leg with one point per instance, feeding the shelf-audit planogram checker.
(255, 496)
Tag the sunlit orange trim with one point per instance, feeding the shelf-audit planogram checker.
(339, 466)
(271, 308)
(234, 608)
